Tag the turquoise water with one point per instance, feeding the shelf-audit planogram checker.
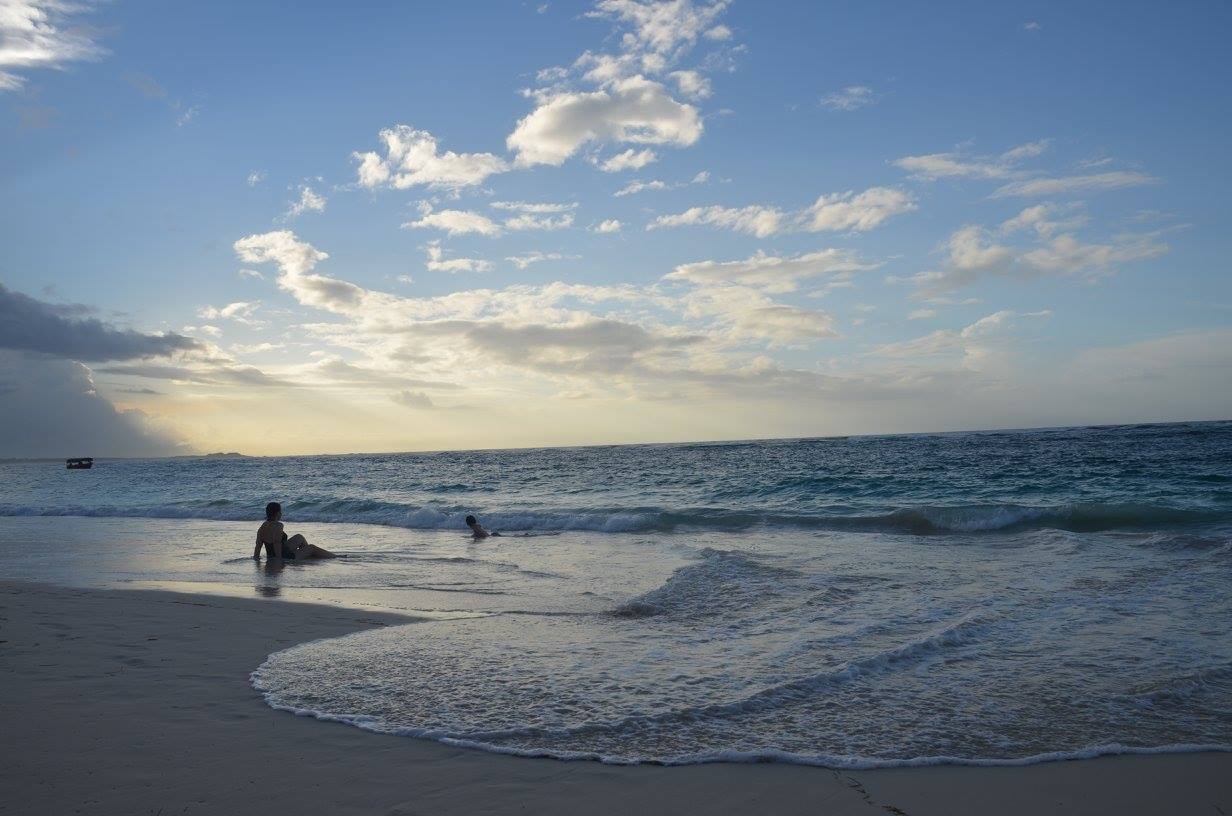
(996, 597)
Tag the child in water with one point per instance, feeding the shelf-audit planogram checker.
(477, 528)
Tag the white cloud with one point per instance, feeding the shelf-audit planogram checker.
(922, 314)
(309, 201)
(1045, 220)
(413, 157)
(1068, 185)
(772, 273)
(38, 34)
(533, 207)
(454, 222)
(530, 221)
(692, 84)
(256, 177)
(436, 262)
(638, 186)
(756, 220)
(186, 115)
(239, 311)
(933, 166)
(628, 160)
(296, 260)
(835, 212)
(849, 98)
(523, 261)
(607, 226)
(632, 110)
(251, 273)
(973, 254)
(664, 28)
(863, 211)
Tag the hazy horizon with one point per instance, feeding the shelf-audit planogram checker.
(557, 224)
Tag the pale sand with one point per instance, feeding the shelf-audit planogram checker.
(132, 702)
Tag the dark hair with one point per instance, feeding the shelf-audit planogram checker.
(471, 520)
(272, 509)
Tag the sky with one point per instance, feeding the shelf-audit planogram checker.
(354, 227)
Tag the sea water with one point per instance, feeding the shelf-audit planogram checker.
(995, 597)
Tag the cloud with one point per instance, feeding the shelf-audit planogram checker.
(413, 157)
(529, 221)
(413, 399)
(664, 28)
(638, 186)
(756, 220)
(860, 212)
(31, 325)
(533, 207)
(607, 226)
(632, 110)
(255, 178)
(146, 85)
(973, 253)
(849, 98)
(692, 84)
(295, 260)
(972, 342)
(628, 160)
(836, 212)
(1069, 185)
(933, 166)
(437, 263)
(52, 408)
(772, 273)
(41, 34)
(309, 201)
(523, 261)
(240, 311)
(224, 373)
(454, 222)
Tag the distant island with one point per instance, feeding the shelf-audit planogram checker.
(220, 455)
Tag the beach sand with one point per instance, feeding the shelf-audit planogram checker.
(138, 702)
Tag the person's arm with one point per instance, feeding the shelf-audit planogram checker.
(256, 551)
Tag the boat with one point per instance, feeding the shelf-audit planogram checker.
(82, 463)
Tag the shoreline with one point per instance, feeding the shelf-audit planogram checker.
(132, 701)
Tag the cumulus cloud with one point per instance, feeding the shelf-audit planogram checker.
(454, 222)
(772, 273)
(849, 98)
(240, 311)
(973, 252)
(40, 34)
(295, 260)
(523, 261)
(31, 325)
(692, 84)
(664, 28)
(638, 186)
(437, 263)
(836, 212)
(628, 160)
(608, 225)
(632, 110)
(533, 207)
(1069, 185)
(309, 201)
(413, 157)
(52, 408)
(933, 166)
(756, 220)
(860, 212)
(255, 178)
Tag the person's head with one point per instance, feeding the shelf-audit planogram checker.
(273, 511)
(471, 521)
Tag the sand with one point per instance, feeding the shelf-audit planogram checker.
(138, 702)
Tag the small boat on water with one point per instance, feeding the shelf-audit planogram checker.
(82, 463)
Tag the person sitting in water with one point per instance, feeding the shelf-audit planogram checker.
(477, 528)
(271, 536)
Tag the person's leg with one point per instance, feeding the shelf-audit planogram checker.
(298, 545)
(319, 552)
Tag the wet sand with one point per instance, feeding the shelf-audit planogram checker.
(138, 702)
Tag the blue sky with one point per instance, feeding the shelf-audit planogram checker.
(852, 217)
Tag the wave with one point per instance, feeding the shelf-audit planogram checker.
(922, 520)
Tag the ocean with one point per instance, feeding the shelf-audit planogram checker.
(1000, 597)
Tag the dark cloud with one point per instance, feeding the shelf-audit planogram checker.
(31, 325)
(213, 375)
(49, 407)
